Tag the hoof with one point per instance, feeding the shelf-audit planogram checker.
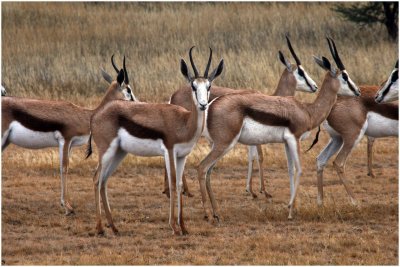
(216, 218)
(185, 232)
(166, 192)
(371, 174)
(69, 212)
(188, 194)
(267, 195)
(100, 232)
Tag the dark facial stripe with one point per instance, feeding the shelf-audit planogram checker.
(302, 74)
(36, 124)
(138, 130)
(394, 78)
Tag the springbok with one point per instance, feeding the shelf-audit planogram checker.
(351, 119)
(390, 90)
(146, 129)
(253, 119)
(36, 124)
(293, 78)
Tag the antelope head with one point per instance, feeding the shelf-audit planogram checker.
(390, 90)
(303, 81)
(125, 88)
(347, 86)
(201, 85)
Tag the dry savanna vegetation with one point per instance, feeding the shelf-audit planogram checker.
(54, 51)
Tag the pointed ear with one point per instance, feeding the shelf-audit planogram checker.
(106, 76)
(285, 61)
(120, 77)
(320, 62)
(218, 70)
(184, 70)
(329, 66)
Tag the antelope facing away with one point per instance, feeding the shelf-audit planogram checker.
(253, 119)
(146, 129)
(293, 78)
(36, 124)
(351, 119)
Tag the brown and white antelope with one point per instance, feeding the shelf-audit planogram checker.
(390, 90)
(148, 130)
(293, 78)
(351, 119)
(36, 124)
(254, 119)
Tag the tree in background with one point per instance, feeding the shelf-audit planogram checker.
(366, 14)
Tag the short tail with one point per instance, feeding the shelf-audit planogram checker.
(315, 140)
(89, 146)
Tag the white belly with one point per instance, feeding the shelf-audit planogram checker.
(379, 126)
(140, 147)
(79, 140)
(24, 137)
(185, 148)
(254, 133)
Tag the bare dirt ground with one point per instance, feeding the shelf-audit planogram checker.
(252, 231)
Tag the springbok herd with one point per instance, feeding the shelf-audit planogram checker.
(225, 116)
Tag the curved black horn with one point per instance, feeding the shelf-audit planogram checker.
(292, 51)
(338, 61)
(397, 64)
(113, 63)
(331, 48)
(208, 64)
(196, 73)
(125, 72)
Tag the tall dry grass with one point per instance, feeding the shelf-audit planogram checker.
(54, 50)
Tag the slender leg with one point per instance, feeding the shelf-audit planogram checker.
(335, 143)
(166, 187)
(260, 160)
(294, 148)
(170, 165)
(251, 155)
(64, 161)
(204, 168)
(119, 156)
(370, 153)
(290, 164)
(5, 141)
(185, 187)
(180, 165)
(96, 186)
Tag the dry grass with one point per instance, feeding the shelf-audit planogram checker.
(35, 231)
(53, 50)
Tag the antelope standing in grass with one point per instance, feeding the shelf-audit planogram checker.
(146, 129)
(36, 124)
(351, 119)
(254, 119)
(293, 78)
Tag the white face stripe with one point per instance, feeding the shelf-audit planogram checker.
(391, 93)
(301, 82)
(201, 92)
(344, 85)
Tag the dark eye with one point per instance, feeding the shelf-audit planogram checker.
(129, 90)
(301, 72)
(345, 77)
(193, 88)
(395, 76)
(209, 88)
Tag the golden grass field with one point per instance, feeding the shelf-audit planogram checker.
(54, 50)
